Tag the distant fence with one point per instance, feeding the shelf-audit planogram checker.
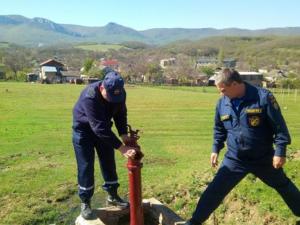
(286, 94)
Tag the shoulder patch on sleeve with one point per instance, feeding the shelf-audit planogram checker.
(225, 117)
(273, 102)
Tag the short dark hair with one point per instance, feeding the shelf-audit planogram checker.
(227, 76)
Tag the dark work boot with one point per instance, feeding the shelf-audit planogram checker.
(86, 210)
(114, 199)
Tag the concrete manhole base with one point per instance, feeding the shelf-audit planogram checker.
(155, 213)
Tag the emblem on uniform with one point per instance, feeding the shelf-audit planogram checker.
(254, 121)
(225, 117)
(254, 111)
(274, 102)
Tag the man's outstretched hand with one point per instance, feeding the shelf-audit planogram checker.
(278, 162)
(214, 159)
(127, 152)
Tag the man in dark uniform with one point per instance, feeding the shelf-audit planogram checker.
(249, 118)
(98, 104)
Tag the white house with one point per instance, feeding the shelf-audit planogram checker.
(164, 63)
(48, 74)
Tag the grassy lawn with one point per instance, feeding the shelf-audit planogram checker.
(38, 169)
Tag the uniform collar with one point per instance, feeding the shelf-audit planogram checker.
(250, 94)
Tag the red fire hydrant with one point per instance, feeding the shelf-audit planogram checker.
(135, 187)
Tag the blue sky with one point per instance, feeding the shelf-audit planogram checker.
(140, 15)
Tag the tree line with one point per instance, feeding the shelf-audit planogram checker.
(143, 61)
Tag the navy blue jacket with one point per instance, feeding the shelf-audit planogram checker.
(93, 112)
(253, 129)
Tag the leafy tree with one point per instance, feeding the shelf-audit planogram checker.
(21, 76)
(292, 75)
(208, 51)
(154, 73)
(209, 71)
(2, 71)
(220, 56)
(184, 70)
(16, 59)
(88, 64)
(96, 72)
(10, 75)
(135, 45)
(10, 60)
(253, 63)
(192, 52)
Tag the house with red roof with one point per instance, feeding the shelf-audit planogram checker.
(111, 63)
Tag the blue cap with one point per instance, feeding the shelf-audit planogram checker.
(106, 70)
(114, 86)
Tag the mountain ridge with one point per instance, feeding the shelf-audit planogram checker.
(41, 31)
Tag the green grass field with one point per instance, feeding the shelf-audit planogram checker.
(99, 47)
(38, 169)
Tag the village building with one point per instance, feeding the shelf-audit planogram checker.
(206, 61)
(253, 78)
(229, 63)
(51, 71)
(164, 63)
(213, 62)
(201, 80)
(171, 81)
(110, 63)
(70, 76)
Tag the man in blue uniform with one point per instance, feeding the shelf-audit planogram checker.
(97, 105)
(249, 118)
